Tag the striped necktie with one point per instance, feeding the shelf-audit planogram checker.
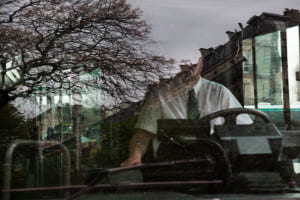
(192, 106)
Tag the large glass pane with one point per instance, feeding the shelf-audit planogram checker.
(269, 76)
(293, 68)
(68, 113)
(294, 84)
(248, 79)
(266, 71)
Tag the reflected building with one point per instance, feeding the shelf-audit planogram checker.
(260, 64)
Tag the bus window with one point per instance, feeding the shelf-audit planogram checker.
(248, 79)
(293, 68)
(269, 76)
(263, 72)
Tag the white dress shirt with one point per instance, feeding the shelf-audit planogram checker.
(170, 102)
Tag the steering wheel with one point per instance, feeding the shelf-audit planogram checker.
(231, 114)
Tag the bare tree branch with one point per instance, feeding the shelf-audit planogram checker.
(57, 40)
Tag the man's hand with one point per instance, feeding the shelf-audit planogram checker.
(132, 160)
(137, 147)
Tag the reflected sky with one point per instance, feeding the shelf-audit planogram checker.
(182, 27)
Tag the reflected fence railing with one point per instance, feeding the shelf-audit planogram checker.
(9, 158)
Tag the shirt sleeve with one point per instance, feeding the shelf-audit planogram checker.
(150, 113)
(232, 102)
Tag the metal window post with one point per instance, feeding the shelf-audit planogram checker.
(285, 82)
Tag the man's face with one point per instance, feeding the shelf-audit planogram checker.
(194, 74)
(197, 70)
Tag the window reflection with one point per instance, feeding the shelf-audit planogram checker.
(293, 68)
(266, 77)
(248, 79)
(269, 73)
(71, 117)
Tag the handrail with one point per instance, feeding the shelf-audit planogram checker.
(117, 170)
(92, 186)
(120, 186)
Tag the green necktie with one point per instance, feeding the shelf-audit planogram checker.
(192, 106)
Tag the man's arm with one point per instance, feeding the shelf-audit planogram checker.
(232, 102)
(137, 147)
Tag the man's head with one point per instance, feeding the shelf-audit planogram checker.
(197, 69)
(195, 73)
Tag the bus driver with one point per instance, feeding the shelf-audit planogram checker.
(192, 99)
